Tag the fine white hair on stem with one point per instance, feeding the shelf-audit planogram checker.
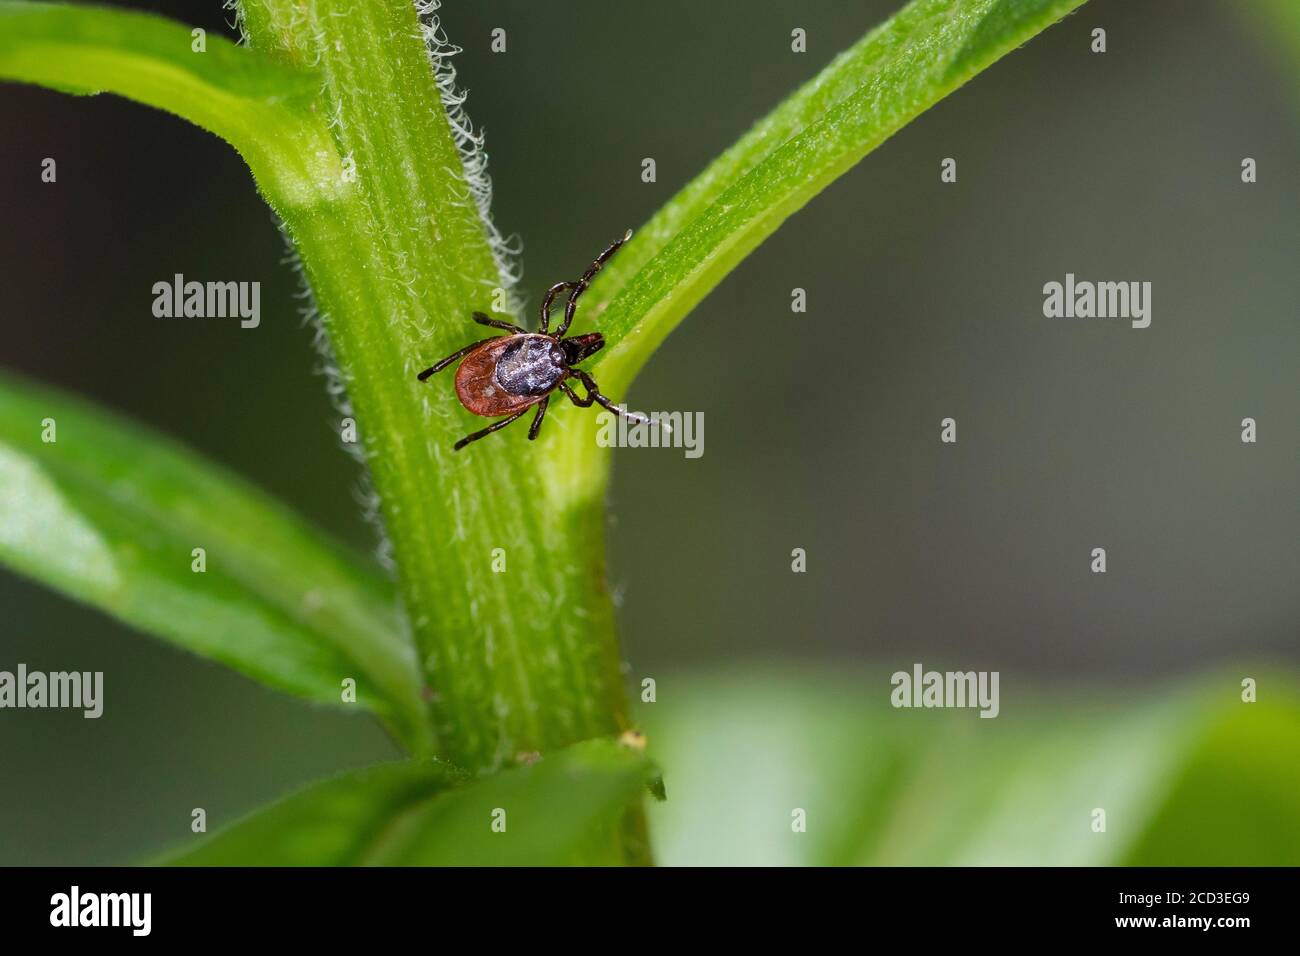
(337, 389)
(469, 143)
(240, 23)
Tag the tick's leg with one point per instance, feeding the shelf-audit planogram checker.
(580, 286)
(593, 395)
(482, 319)
(484, 432)
(573, 397)
(551, 293)
(536, 426)
(451, 358)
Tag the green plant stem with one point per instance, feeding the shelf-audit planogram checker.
(337, 111)
(521, 658)
(518, 661)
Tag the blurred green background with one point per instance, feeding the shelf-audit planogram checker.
(924, 301)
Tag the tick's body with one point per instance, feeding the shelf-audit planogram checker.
(509, 374)
(490, 384)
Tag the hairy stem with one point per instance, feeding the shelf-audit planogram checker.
(517, 660)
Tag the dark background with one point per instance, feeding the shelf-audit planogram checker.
(821, 429)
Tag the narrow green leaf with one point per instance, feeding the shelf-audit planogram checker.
(260, 106)
(333, 823)
(565, 809)
(110, 515)
(1236, 800)
(897, 71)
(1186, 775)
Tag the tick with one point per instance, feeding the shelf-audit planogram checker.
(509, 374)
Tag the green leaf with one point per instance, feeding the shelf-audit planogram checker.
(893, 74)
(1276, 24)
(1236, 800)
(1186, 775)
(260, 106)
(110, 515)
(568, 808)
